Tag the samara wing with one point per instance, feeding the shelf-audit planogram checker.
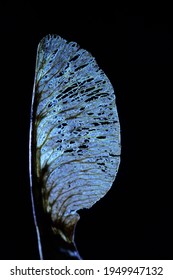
(74, 136)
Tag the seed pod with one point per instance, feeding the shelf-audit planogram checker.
(74, 136)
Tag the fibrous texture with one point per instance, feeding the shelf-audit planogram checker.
(75, 131)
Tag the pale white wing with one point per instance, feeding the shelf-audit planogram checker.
(76, 131)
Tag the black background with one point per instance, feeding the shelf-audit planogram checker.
(134, 219)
